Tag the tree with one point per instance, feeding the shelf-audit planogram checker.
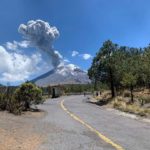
(103, 68)
(130, 80)
(146, 66)
(94, 72)
(131, 69)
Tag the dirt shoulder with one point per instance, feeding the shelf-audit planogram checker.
(18, 132)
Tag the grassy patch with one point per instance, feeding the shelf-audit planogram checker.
(130, 108)
(104, 98)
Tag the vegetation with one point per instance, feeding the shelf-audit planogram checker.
(28, 94)
(68, 89)
(122, 68)
(130, 108)
(20, 99)
(77, 88)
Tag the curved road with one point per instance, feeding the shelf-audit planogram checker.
(73, 124)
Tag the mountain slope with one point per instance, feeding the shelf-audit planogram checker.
(68, 74)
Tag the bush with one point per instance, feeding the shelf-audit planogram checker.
(144, 100)
(20, 100)
(28, 94)
(14, 106)
(3, 102)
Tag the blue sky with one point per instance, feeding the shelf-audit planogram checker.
(83, 24)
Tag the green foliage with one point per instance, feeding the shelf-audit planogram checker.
(77, 88)
(8, 102)
(103, 66)
(28, 94)
(14, 106)
(20, 99)
(121, 67)
(129, 79)
(3, 102)
(144, 99)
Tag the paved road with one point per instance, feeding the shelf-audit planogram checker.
(66, 133)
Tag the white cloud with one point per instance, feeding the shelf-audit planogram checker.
(16, 45)
(66, 60)
(23, 44)
(17, 67)
(86, 56)
(11, 46)
(74, 53)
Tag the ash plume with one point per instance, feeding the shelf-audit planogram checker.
(41, 35)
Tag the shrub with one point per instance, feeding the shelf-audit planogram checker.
(119, 105)
(28, 94)
(130, 108)
(3, 102)
(23, 97)
(14, 106)
(144, 99)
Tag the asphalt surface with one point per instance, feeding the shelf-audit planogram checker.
(63, 132)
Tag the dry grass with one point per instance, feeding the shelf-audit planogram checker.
(119, 104)
(104, 96)
(122, 102)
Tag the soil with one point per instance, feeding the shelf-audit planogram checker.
(19, 132)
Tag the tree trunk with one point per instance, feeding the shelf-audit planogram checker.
(95, 85)
(27, 105)
(132, 96)
(149, 86)
(112, 84)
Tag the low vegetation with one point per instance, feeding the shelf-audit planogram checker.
(130, 108)
(20, 99)
(122, 102)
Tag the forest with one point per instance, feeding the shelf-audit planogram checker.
(124, 70)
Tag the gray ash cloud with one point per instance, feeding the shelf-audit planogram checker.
(41, 35)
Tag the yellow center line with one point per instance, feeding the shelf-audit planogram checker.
(104, 138)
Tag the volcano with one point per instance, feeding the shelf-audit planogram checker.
(66, 74)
